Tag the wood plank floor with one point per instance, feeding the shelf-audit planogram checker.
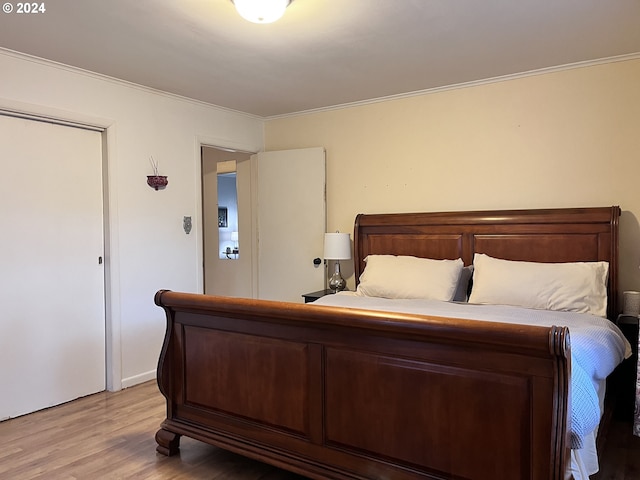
(620, 449)
(620, 459)
(111, 436)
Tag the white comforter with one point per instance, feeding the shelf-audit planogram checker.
(597, 345)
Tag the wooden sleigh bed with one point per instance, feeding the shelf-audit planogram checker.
(336, 393)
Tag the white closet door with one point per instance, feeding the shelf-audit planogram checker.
(52, 321)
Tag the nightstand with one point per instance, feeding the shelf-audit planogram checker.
(313, 296)
(625, 377)
(629, 326)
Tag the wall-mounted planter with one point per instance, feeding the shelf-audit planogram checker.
(157, 181)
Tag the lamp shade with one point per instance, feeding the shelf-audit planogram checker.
(337, 246)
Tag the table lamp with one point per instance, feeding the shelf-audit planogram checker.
(337, 246)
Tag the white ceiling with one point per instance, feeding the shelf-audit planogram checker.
(322, 52)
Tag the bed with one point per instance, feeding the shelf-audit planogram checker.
(330, 391)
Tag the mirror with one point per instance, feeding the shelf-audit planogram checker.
(228, 240)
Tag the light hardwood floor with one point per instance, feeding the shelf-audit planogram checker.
(111, 436)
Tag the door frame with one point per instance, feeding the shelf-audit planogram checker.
(202, 141)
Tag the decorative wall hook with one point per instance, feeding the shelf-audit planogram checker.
(156, 181)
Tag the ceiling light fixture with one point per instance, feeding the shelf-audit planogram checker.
(261, 11)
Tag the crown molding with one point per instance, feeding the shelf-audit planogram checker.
(475, 83)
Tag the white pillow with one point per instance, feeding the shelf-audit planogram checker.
(575, 287)
(391, 276)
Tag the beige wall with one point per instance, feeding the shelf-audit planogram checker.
(563, 139)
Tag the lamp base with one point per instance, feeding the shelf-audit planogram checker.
(336, 282)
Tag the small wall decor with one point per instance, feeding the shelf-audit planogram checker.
(222, 217)
(156, 181)
(186, 224)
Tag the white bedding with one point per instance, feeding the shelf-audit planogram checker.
(597, 345)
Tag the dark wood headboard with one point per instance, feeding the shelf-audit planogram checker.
(545, 235)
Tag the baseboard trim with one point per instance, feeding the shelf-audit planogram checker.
(137, 379)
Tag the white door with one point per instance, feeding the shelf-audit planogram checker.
(290, 222)
(52, 321)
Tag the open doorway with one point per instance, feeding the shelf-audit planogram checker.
(281, 224)
(226, 218)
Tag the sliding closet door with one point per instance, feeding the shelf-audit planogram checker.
(52, 321)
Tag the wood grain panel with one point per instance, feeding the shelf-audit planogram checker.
(235, 373)
(419, 245)
(540, 247)
(418, 413)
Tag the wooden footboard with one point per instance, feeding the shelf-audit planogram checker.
(337, 393)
